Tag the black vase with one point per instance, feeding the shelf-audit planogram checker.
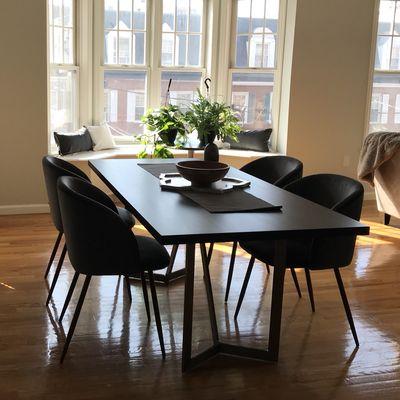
(206, 139)
(169, 137)
(211, 152)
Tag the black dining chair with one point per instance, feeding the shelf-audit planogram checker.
(339, 193)
(279, 171)
(101, 244)
(53, 168)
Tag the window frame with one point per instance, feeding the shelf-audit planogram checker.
(73, 67)
(277, 70)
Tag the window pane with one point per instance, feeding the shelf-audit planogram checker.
(180, 50)
(68, 13)
(182, 15)
(62, 100)
(57, 12)
(194, 50)
(119, 105)
(257, 27)
(110, 47)
(168, 15)
(139, 16)
(386, 17)
(186, 16)
(58, 46)
(243, 16)
(125, 47)
(242, 43)
(395, 59)
(183, 88)
(257, 14)
(196, 12)
(139, 48)
(252, 99)
(125, 14)
(110, 14)
(384, 104)
(167, 50)
(124, 35)
(68, 46)
(382, 58)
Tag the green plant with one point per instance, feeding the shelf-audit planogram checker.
(212, 118)
(165, 120)
(157, 148)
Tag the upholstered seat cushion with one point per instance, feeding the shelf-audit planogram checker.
(152, 254)
(126, 216)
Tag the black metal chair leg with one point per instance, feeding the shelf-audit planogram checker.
(387, 219)
(310, 289)
(172, 260)
(128, 287)
(268, 270)
(76, 316)
(230, 273)
(210, 252)
(145, 295)
(56, 274)
(295, 280)
(53, 254)
(346, 305)
(69, 295)
(156, 312)
(244, 287)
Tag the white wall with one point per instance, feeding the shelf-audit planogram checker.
(329, 83)
(23, 104)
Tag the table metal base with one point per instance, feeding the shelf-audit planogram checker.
(218, 347)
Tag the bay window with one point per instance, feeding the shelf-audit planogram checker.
(132, 51)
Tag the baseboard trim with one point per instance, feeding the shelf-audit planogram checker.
(24, 209)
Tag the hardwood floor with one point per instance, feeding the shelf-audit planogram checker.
(116, 354)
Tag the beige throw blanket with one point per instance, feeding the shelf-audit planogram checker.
(378, 147)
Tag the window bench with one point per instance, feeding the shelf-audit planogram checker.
(236, 158)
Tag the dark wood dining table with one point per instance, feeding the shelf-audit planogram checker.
(174, 219)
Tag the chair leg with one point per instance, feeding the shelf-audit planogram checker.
(56, 274)
(210, 252)
(172, 259)
(145, 295)
(53, 254)
(76, 316)
(128, 288)
(346, 305)
(156, 312)
(268, 270)
(310, 289)
(230, 273)
(244, 287)
(296, 282)
(69, 295)
(387, 219)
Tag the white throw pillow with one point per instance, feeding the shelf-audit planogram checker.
(101, 137)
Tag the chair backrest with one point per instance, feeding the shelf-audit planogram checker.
(278, 170)
(341, 194)
(98, 241)
(53, 168)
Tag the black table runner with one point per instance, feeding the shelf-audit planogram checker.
(236, 201)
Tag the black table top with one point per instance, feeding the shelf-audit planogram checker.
(173, 219)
